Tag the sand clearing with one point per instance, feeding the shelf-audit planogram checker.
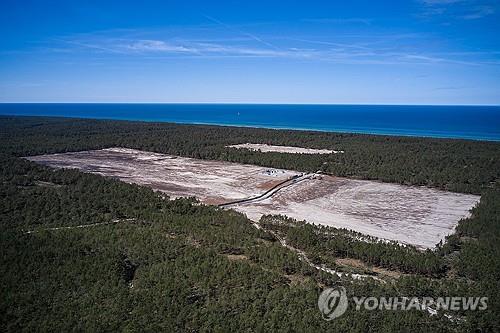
(412, 215)
(283, 149)
(212, 182)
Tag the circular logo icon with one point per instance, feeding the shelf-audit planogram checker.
(333, 302)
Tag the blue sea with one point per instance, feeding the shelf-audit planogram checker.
(464, 122)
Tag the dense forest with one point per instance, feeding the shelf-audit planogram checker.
(132, 260)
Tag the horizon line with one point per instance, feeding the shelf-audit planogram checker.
(253, 103)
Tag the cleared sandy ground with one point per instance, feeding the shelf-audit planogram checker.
(283, 149)
(212, 182)
(411, 215)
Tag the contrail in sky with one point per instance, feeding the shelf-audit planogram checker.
(257, 39)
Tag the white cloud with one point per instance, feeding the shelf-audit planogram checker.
(156, 45)
(327, 51)
(230, 42)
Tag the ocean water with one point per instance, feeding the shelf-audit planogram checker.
(465, 122)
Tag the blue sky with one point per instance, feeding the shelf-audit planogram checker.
(359, 52)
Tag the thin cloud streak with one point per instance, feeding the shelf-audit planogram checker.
(459, 9)
(479, 12)
(334, 52)
(254, 37)
(353, 20)
(403, 48)
(441, 2)
(451, 88)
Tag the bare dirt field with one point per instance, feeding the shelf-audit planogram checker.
(283, 149)
(412, 215)
(212, 182)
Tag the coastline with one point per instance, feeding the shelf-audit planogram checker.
(403, 121)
